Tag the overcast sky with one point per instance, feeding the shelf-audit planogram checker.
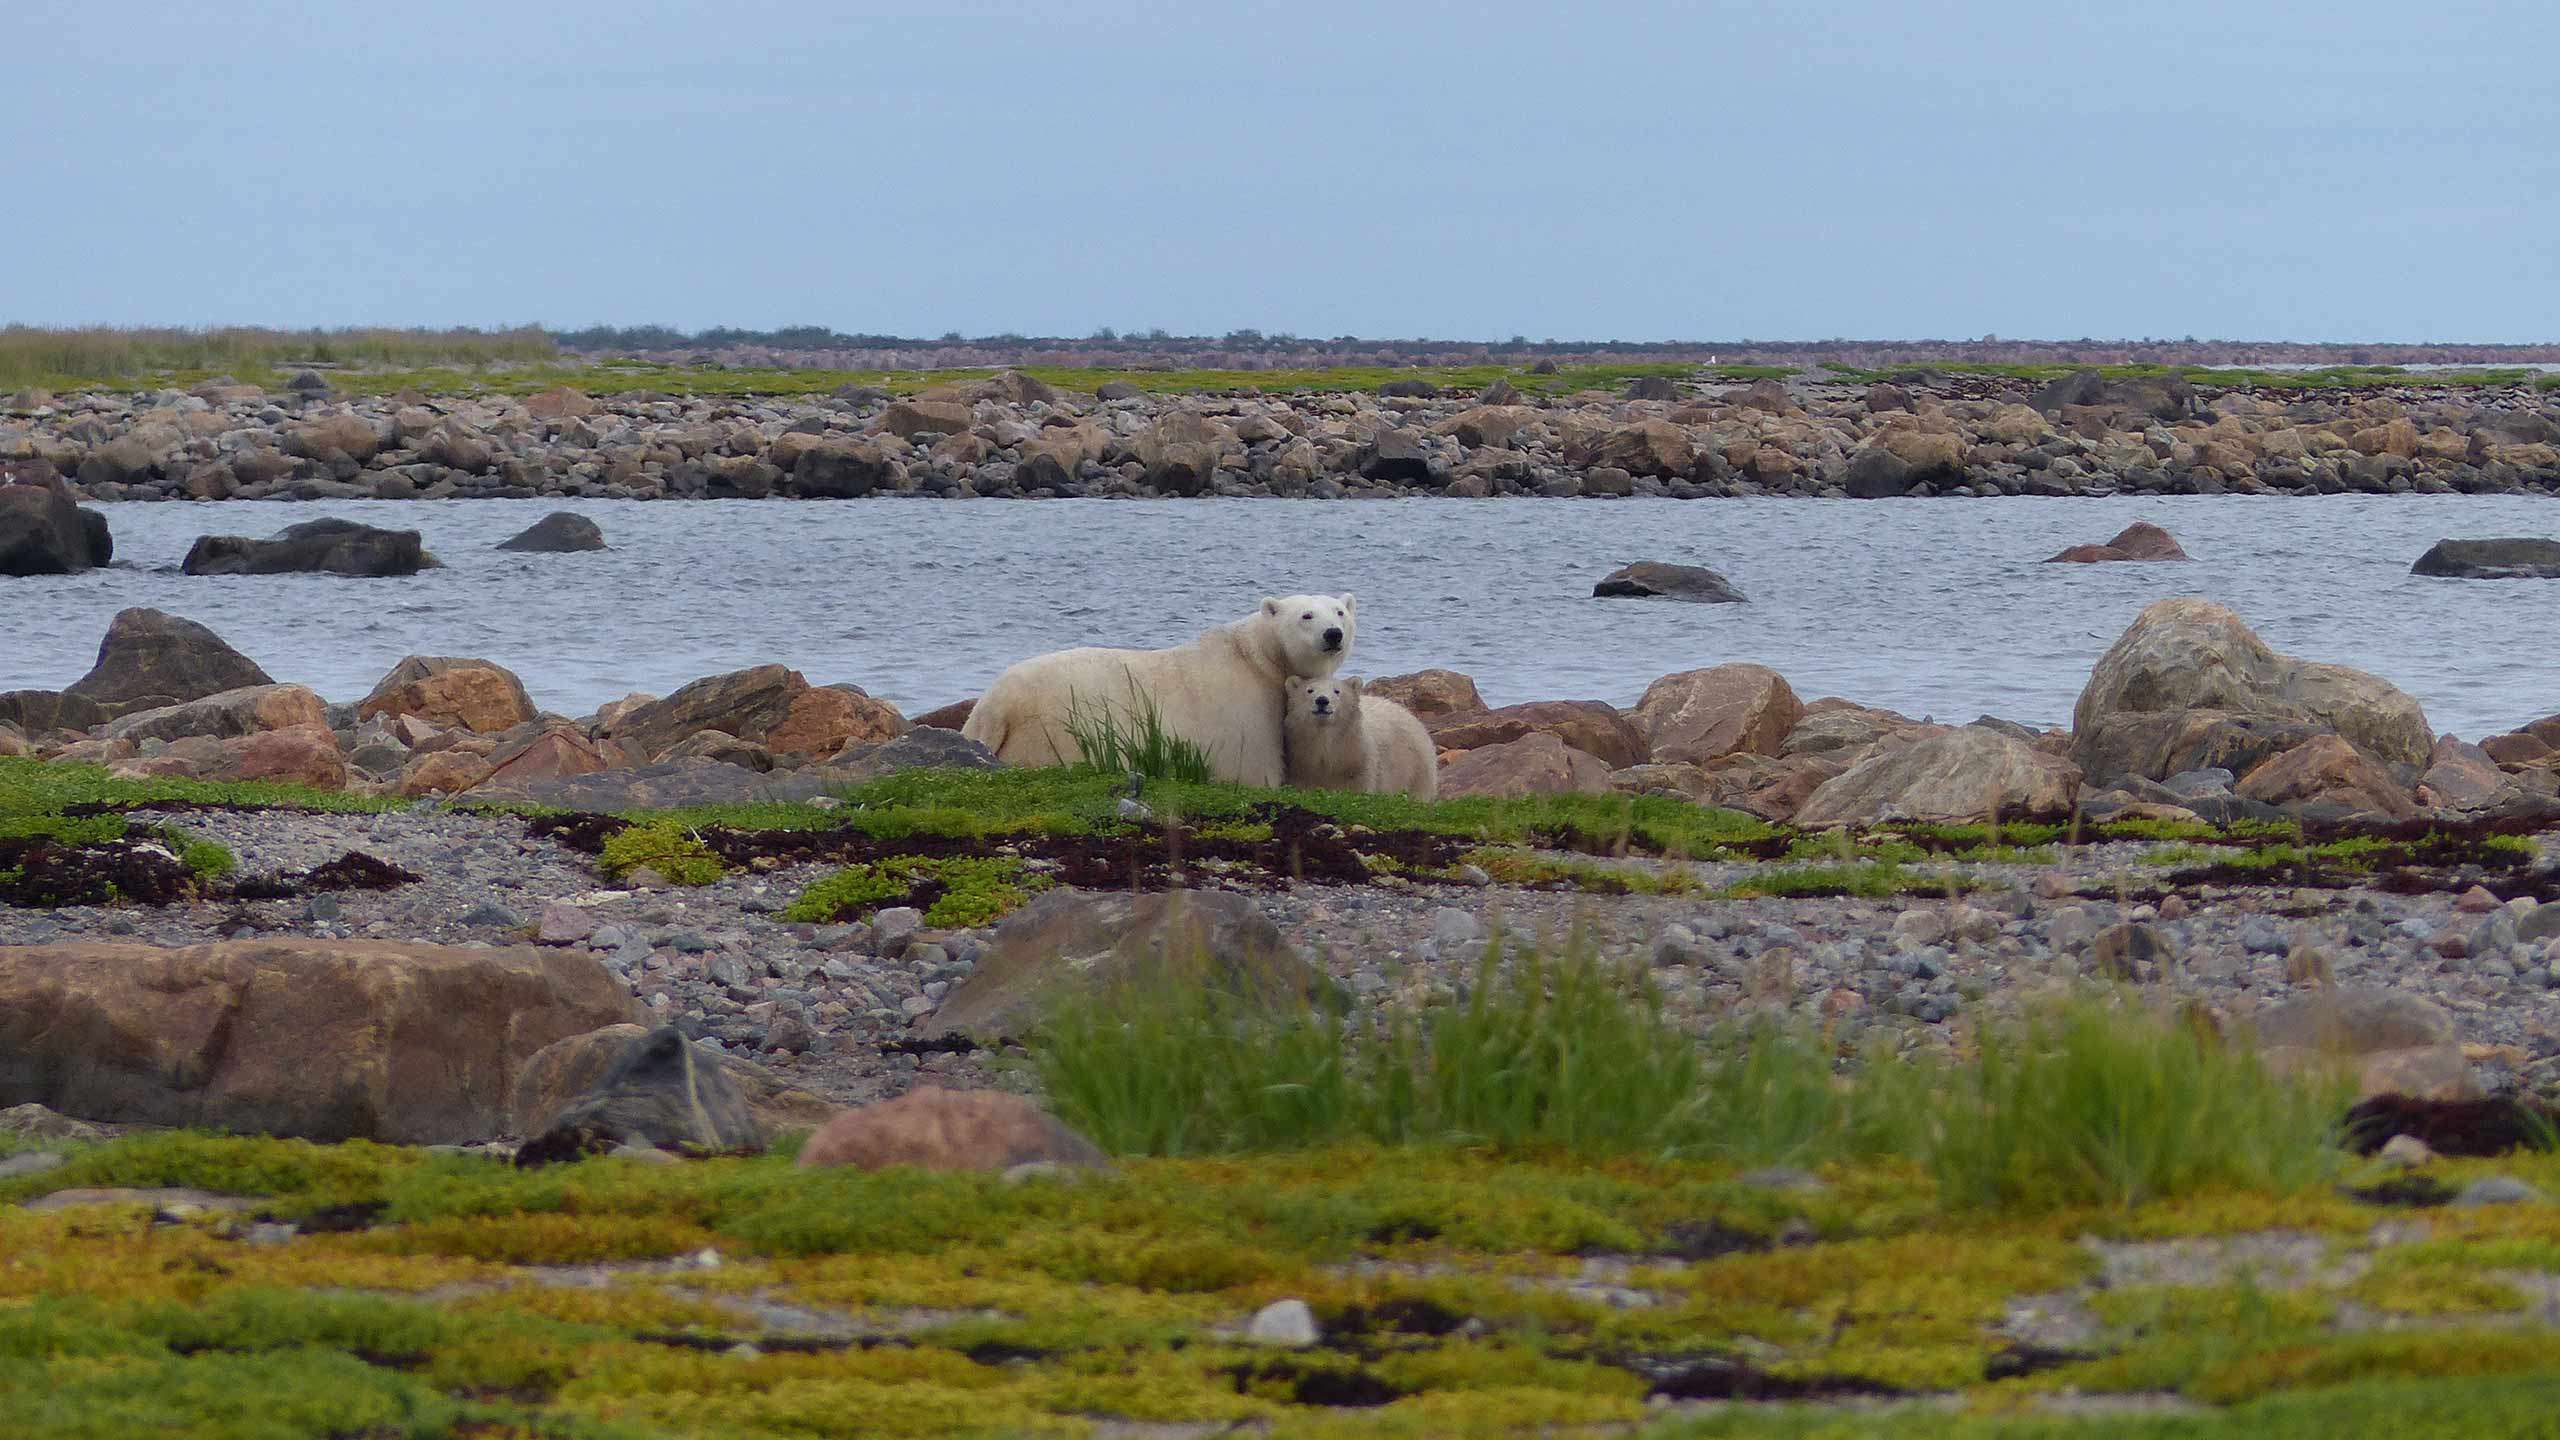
(2341, 170)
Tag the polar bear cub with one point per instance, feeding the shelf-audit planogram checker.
(1223, 692)
(1341, 740)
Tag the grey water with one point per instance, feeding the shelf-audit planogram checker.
(1930, 607)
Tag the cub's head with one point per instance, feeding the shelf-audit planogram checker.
(1327, 700)
(1314, 630)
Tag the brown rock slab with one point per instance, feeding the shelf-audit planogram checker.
(233, 713)
(449, 692)
(326, 1040)
(2328, 769)
(2140, 540)
(1698, 715)
(934, 1129)
(1534, 764)
(1590, 726)
(823, 719)
(1427, 692)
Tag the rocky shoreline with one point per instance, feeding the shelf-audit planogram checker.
(1016, 437)
(2443, 900)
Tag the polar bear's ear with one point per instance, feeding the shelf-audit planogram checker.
(1349, 602)
(1351, 685)
(1270, 605)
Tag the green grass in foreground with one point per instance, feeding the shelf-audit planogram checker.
(2102, 1101)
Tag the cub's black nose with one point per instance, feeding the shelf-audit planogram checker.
(1333, 638)
(1324, 704)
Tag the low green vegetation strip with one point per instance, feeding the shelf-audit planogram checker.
(1539, 1209)
(2327, 377)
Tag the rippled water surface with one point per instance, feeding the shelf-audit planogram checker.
(1929, 607)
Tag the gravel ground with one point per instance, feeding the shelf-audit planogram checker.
(826, 1005)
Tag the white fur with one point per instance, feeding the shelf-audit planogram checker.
(1342, 740)
(1224, 691)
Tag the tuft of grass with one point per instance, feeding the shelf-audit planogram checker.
(964, 891)
(671, 850)
(1136, 743)
(1510, 866)
(2109, 1102)
(31, 787)
(208, 860)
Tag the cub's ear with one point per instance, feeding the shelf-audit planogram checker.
(1351, 684)
(1270, 605)
(1349, 602)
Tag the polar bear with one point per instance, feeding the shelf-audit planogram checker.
(1340, 740)
(1223, 692)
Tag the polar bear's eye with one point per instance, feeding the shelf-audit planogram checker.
(1310, 615)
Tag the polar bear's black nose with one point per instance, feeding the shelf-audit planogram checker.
(1333, 638)
(1324, 704)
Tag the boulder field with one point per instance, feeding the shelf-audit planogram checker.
(1015, 436)
(2188, 713)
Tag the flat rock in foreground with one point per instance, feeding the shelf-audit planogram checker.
(322, 1039)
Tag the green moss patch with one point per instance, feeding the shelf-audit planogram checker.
(951, 892)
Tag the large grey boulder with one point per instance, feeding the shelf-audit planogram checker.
(2191, 655)
(1962, 775)
(660, 1093)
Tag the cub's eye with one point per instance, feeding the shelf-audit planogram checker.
(1310, 615)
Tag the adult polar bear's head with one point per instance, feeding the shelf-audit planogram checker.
(1312, 632)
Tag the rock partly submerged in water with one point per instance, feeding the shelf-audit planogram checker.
(1659, 580)
(2140, 540)
(561, 532)
(2506, 559)
(43, 533)
(331, 547)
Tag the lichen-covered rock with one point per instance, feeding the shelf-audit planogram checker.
(1960, 775)
(660, 1092)
(2187, 654)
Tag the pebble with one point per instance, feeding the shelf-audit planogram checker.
(33, 1162)
(1285, 1323)
(2405, 1152)
(2496, 1190)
